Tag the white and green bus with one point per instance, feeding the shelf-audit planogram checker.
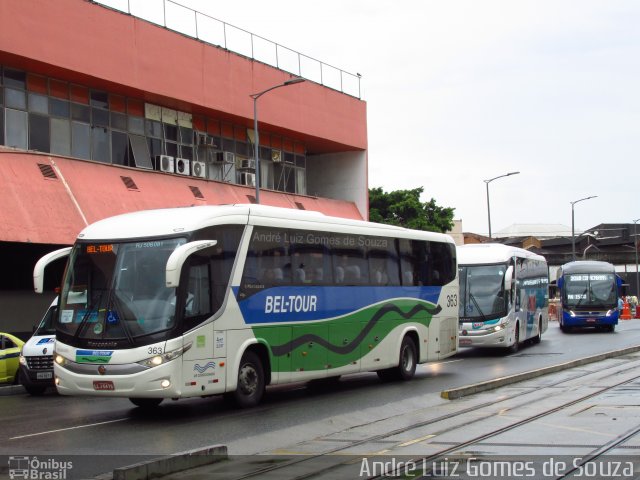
(207, 300)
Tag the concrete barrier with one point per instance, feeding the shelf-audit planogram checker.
(459, 392)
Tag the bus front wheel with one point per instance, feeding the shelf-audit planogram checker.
(516, 341)
(251, 384)
(407, 362)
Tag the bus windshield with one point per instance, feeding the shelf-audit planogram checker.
(590, 290)
(482, 293)
(117, 291)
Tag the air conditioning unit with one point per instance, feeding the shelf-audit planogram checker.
(199, 169)
(229, 157)
(276, 155)
(164, 163)
(183, 166)
(248, 179)
(247, 164)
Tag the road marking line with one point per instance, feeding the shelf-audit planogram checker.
(417, 440)
(65, 429)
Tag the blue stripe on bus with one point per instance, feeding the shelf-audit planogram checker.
(302, 303)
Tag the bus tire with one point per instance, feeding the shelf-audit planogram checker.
(407, 361)
(611, 328)
(516, 343)
(251, 384)
(146, 403)
(538, 338)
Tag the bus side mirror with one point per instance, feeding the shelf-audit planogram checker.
(179, 256)
(508, 278)
(38, 270)
(560, 283)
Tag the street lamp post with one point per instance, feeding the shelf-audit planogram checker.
(635, 245)
(256, 139)
(573, 235)
(487, 182)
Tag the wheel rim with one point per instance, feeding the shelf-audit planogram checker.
(248, 379)
(407, 359)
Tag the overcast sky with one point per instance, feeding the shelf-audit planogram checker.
(459, 91)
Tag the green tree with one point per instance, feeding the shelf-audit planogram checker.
(404, 208)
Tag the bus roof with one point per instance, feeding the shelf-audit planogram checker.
(173, 221)
(587, 266)
(488, 253)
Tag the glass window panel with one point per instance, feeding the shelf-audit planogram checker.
(171, 149)
(38, 103)
(136, 125)
(153, 128)
(58, 108)
(186, 152)
(228, 145)
(16, 98)
(1, 96)
(60, 136)
(140, 149)
(80, 134)
(80, 113)
(300, 161)
(1, 126)
(119, 148)
(119, 121)
(15, 78)
(99, 117)
(16, 128)
(301, 181)
(155, 147)
(170, 132)
(100, 144)
(39, 133)
(186, 135)
(99, 99)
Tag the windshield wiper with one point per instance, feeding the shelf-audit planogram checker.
(87, 315)
(475, 302)
(113, 298)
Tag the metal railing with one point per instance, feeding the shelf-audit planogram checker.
(185, 20)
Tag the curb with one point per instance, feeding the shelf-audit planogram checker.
(12, 390)
(459, 392)
(163, 466)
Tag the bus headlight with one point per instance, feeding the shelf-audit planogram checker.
(165, 357)
(572, 313)
(609, 313)
(60, 360)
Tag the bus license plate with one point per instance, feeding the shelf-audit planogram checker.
(103, 385)
(44, 375)
(465, 342)
(591, 320)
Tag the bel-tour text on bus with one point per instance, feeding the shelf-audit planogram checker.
(297, 238)
(290, 303)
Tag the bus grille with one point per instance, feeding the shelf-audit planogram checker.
(42, 362)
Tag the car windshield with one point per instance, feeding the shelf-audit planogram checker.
(47, 326)
(117, 290)
(590, 290)
(482, 293)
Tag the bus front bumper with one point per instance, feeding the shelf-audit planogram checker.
(467, 337)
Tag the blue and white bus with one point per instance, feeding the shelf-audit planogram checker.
(589, 292)
(207, 300)
(504, 296)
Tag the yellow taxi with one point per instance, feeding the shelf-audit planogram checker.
(10, 347)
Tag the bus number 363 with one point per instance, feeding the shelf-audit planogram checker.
(452, 300)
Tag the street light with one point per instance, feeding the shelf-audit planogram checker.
(573, 237)
(487, 182)
(256, 139)
(635, 244)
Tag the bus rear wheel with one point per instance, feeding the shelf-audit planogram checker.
(407, 362)
(251, 384)
(538, 338)
(146, 402)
